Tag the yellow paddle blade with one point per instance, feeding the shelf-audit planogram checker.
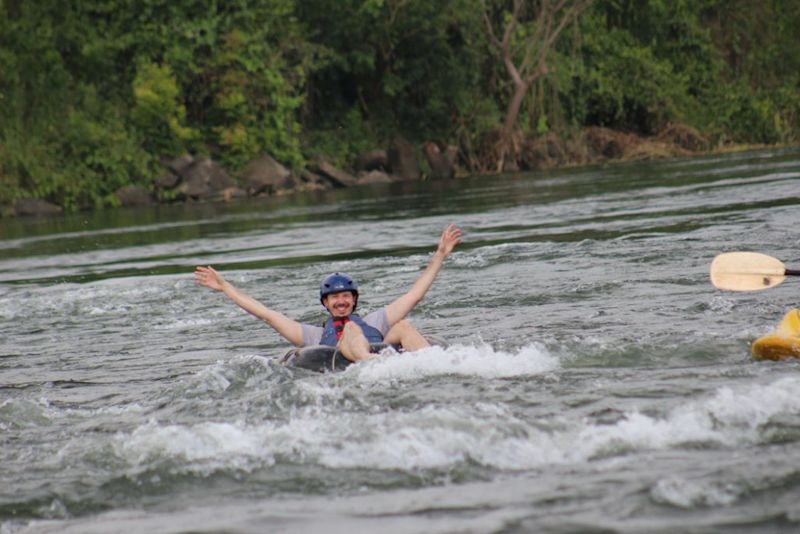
(746, 271)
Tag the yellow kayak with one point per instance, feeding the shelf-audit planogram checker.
(784, 342)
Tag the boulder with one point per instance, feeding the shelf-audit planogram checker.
(167, 180)
(374, 177)
(403, 160)
(442, 164)
(312, 180)
(374, 160)
(336, 176)
(232, 193)
(205, 178)
(265, 175)
(133, 195)
(34, 207)
(179, 164)
(220, 179)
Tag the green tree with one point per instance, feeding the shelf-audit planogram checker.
(60, 139)
(158, 113)
(99, 89)
(393, 66)
(760, 45)
(529, 34)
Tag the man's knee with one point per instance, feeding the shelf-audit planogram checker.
(353, 343)
(405, 333)
(350, 326)
(352, 330)
(404, 326)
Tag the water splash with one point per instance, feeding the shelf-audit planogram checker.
(462, 360)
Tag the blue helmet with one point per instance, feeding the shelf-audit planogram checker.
(337, 283)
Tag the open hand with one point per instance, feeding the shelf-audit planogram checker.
(450, 238)
(207, 276)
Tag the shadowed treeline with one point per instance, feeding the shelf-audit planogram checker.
(96, 96)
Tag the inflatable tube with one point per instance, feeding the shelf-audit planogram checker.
(783, 343)
(326, 359)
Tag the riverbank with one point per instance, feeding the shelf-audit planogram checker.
(195, 179)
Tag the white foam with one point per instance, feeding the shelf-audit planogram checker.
(721, 304)
(185, 323)
(108, 297)
(205, 446)
(212, 379)
(219, 376)
(424, 439)
(463, 360)
(755, 405)
(348, 435)
(730, 417)
(685, 493)
(105, 410)
(436, 437)
(22, 413)
(433, 437)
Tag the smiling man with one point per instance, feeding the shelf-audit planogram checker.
(339, 294)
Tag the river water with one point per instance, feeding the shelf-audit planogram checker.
(595, 381)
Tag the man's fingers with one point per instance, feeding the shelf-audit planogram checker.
(203, 275)
(452, 233)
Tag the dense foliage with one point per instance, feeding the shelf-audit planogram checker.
(94, 92)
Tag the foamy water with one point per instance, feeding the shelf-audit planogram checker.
(594, 381)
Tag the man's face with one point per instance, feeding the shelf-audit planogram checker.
(340, 304)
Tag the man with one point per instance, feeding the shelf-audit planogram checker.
(339, 294)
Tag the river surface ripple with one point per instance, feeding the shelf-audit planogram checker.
(595, 381)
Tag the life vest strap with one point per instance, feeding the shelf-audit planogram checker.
(338, 326)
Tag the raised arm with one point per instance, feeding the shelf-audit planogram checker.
(397, 310)
(288, 328)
